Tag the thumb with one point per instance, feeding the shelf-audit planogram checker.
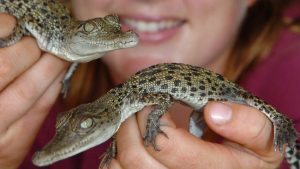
(241, 124)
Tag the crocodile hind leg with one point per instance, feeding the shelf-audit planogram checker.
(18, 32)
(197, 123)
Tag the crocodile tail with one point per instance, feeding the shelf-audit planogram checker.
(292, 151)
(292, 155)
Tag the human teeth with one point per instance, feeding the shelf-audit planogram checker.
(144, 26)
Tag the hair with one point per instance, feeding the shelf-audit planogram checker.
(264, 20)
(258, 31)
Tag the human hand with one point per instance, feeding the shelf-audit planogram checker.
(29, 85)
(248, 142)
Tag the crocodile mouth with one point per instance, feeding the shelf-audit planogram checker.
(90, 48)
(44, 157)
(127, 40)
(63, 146)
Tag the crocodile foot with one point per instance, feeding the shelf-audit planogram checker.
(152, 130)
(108, 155)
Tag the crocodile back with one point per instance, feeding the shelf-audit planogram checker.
(196, 86)
(44, 19)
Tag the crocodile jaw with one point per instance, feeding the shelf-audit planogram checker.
(80, 50)
(88, 40)
(61, 148)
(77, 130)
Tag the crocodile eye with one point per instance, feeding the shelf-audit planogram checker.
(86, 123)
(88, 27)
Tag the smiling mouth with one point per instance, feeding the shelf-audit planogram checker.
(152, 30)
(152, 26)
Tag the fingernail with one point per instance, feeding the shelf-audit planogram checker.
(220, 113)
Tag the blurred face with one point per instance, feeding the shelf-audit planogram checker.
(198, 32)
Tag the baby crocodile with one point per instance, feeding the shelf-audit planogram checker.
(56, 32)
(91, 124)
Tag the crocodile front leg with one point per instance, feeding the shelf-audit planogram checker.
(66, 82)
(162, 102)
(109, 154)
(137, 101)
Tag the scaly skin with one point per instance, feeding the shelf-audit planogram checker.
(91, 124)
(57, 33)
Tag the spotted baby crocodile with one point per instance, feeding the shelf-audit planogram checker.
(56, 32)
(91, 124)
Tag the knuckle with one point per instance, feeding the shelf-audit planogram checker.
(131, 158)
(26, 47)
(7, 158)
(5, 67)
(26, 89)
(259, 130)
(4, 142)
(256, 122)
(31, 45)
(44, 104)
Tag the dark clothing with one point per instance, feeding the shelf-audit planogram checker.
(277, 78)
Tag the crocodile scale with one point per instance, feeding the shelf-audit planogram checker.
(160, 85)
(56, 32)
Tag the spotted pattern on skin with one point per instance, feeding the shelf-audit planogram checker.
(43, 16)
(161, 85)
(50, 23)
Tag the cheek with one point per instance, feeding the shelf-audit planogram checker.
(206, 37)
(213, 27)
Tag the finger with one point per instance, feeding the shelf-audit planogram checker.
(16, 59)
(241, 124)
(7, 24)
(131, 151)
(19, 97)
(39, 110)
(29, 124)
(178, 149)
(181, 150)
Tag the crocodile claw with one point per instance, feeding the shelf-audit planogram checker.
(108, 156)
(152, 130)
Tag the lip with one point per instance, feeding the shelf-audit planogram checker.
(156, 36)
